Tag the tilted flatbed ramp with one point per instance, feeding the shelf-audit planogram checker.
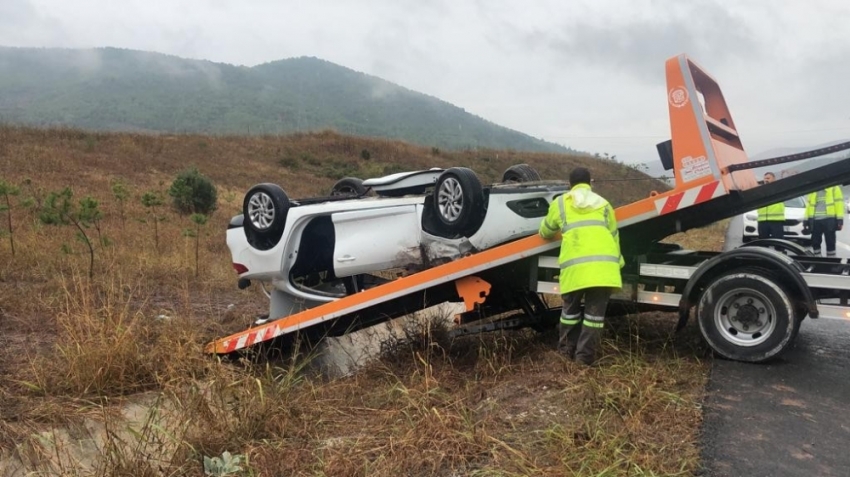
(418, 282)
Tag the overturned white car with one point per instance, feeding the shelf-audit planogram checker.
(316, 250)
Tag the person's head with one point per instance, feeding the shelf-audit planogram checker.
(769, 177)
(579, 175)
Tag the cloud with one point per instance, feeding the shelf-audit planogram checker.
(22, 24)
(825, 94)
(17, 12)
(637, 44)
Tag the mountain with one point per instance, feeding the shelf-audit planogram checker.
(799, 166)
(127, 90)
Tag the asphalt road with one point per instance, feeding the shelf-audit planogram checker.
(788, 417)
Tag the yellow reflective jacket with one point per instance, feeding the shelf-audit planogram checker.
(772, 213)
(834, 199)
(590, 244)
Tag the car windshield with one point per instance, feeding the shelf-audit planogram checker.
(796, 203)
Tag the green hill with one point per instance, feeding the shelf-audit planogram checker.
(126, 90)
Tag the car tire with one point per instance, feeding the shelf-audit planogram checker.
(265, 208)
(348, 186)
(458, 201)
(769, 322)
(520, 173)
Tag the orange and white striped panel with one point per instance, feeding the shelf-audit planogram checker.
(253, 337)
(687, 198)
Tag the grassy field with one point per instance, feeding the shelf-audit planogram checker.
(105, 376)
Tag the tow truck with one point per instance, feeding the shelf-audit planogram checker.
(749, 302)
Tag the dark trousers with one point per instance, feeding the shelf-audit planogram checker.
(823, 230)
(581, 332)
(771, 229)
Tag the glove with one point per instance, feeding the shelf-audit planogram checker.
(840, 224)
(807, 226)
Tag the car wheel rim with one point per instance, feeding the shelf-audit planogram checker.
(347, 190)
(450, 199)
(261, 210)
(745, 317)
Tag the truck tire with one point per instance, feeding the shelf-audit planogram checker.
(747, 315)
(459, 201)
(265, 208)
(520, 173)
(348, 186)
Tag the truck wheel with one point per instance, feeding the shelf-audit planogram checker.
(348, 186)
(520, 173)
(459, 200)
(265, 208)
(746, 315)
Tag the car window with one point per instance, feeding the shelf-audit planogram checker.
(796, 202)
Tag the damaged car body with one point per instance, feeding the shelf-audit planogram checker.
(305, 252)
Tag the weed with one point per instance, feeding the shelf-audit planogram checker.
(223, 466)
(289, 162)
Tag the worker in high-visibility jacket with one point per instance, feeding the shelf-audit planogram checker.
(590, 263)
(771, 218)
(824, 216)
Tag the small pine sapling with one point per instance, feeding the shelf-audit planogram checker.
(152, 201)
(59, 209)
(6, 192)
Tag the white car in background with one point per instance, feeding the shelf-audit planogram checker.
(795, 216)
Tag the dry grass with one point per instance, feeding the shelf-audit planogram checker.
(107, 376)
(709, 238)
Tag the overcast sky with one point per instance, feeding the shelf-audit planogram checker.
(588, 74)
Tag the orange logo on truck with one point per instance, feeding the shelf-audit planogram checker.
(678, 97)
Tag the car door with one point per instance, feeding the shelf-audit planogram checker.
(370, 240)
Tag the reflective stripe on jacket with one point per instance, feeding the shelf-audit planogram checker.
(834, 199)
(772, 213)
(590, 244)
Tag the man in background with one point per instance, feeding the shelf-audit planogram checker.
(824, 217)
(771, 219)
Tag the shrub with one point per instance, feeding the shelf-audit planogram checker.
(193, 193)
(336, 169)
(289, 162)
(393, 169)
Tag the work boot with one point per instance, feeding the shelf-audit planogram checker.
(567, 339)
(588, 345)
